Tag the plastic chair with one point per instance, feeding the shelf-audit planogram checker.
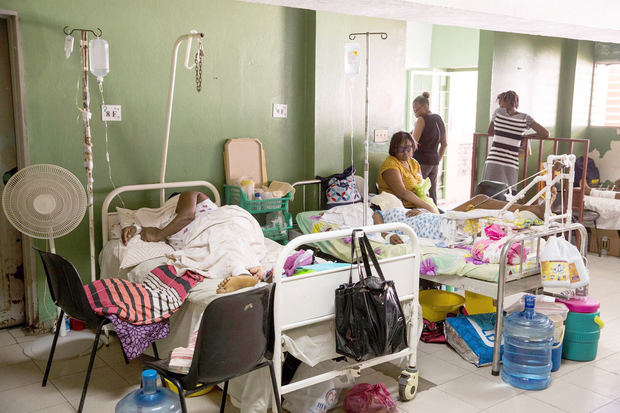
(492, 189)
(235, 337)
(67, 292)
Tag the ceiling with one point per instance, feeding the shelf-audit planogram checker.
(592, 20)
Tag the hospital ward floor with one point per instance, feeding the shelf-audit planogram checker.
(448, 383)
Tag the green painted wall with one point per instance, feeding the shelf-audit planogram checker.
(454, 47)
(332, 88)
(256, 55)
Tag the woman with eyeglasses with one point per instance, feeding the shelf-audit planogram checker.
(400, 174)
(430, 134)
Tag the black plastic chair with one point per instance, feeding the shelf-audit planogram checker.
(67, 292)
(235, 337)
(492, 189)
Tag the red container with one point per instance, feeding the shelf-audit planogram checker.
(76, 325)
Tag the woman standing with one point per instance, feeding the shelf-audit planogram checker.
(430, 135)
(507, 128)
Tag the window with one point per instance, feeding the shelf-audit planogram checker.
(605, 108)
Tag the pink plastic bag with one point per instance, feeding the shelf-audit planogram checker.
(368, 398)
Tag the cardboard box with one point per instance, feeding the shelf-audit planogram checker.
(613, 241)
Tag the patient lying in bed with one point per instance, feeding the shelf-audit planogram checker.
(224, 242)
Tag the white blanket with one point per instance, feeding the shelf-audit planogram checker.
(608, 208)
(225, 238)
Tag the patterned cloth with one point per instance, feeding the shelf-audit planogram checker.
(135, 339)
(429, 226)
(140, 312)
(160, 295)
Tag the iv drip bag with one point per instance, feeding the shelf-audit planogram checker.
(99, 58)
(352, 59)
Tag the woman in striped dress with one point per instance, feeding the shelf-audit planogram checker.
(507, 128)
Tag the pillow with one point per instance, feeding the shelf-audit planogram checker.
(137, 251)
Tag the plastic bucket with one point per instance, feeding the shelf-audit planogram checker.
(556, 350)
(436, 304)
(478, 304)
(581, 336)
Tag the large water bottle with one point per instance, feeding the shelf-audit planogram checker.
(528, 342)
(149, 398)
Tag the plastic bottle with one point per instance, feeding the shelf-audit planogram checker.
(604, 245)
(258, 196)
(247, 186)
(528, 341)
(149, 398)
(99, 58)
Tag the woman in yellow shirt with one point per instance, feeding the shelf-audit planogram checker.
(400, 173)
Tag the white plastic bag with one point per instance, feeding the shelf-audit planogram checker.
(561, 265)
(320, 397)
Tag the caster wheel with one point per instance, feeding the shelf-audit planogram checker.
(408, 384)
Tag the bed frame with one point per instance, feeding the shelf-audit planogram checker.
(317, 289)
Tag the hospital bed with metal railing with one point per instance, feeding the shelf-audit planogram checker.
(304, 302)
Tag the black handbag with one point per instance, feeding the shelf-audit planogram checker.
(369, 318)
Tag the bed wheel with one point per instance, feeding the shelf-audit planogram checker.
(408, 384)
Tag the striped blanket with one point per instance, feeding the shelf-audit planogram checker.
(140, 312)
(160, 294)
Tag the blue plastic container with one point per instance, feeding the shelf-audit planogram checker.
(556, 356)
(528, 341)
(149, 398)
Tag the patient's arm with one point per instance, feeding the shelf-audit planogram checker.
(186, 209)
(378, 219)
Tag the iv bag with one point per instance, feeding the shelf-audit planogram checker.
(99, 58)
(352, 59)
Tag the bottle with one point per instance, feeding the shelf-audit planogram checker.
(258, 196)
(528, 342)
(99, 58)
(247, 186)
(604, 245)
(149, 398)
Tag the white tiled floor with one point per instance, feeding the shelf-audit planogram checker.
(459, 386)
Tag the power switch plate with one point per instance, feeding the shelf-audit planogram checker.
(279, 110)
(111, 113)
(381, 135)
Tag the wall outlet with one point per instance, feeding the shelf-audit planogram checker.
(279, 110)
(111, 113)
(381, 135)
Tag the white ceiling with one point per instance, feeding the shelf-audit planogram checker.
(588, 20)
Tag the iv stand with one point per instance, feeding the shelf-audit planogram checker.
(88, 145)
(164, 157)
(352, 36)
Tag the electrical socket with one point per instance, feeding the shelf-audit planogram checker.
(381, 135)
(279, 110)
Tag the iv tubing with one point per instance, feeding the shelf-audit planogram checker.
(164, 157)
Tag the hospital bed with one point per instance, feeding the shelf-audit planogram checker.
(304, 304)
(493, 280)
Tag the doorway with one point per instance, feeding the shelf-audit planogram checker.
(453, 97)
(18, 300)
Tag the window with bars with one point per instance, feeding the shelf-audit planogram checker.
(605, 107)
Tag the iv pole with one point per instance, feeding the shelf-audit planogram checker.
(164, 157)
(88, 145)
(352, 36)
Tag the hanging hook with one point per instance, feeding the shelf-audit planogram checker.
(70, 32)
(352, 36)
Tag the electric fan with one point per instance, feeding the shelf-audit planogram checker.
(47, 201)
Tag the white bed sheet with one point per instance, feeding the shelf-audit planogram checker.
(608, 208)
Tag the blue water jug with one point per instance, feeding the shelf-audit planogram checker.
(149, 398)
(528, 342)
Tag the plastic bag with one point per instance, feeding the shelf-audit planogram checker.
(368, 398)
(320, 397)
(561, 265)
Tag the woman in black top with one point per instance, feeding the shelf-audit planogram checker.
(430, 136)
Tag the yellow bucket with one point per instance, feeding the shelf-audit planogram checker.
(478, 304)
(436, 304)
(202, 389)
